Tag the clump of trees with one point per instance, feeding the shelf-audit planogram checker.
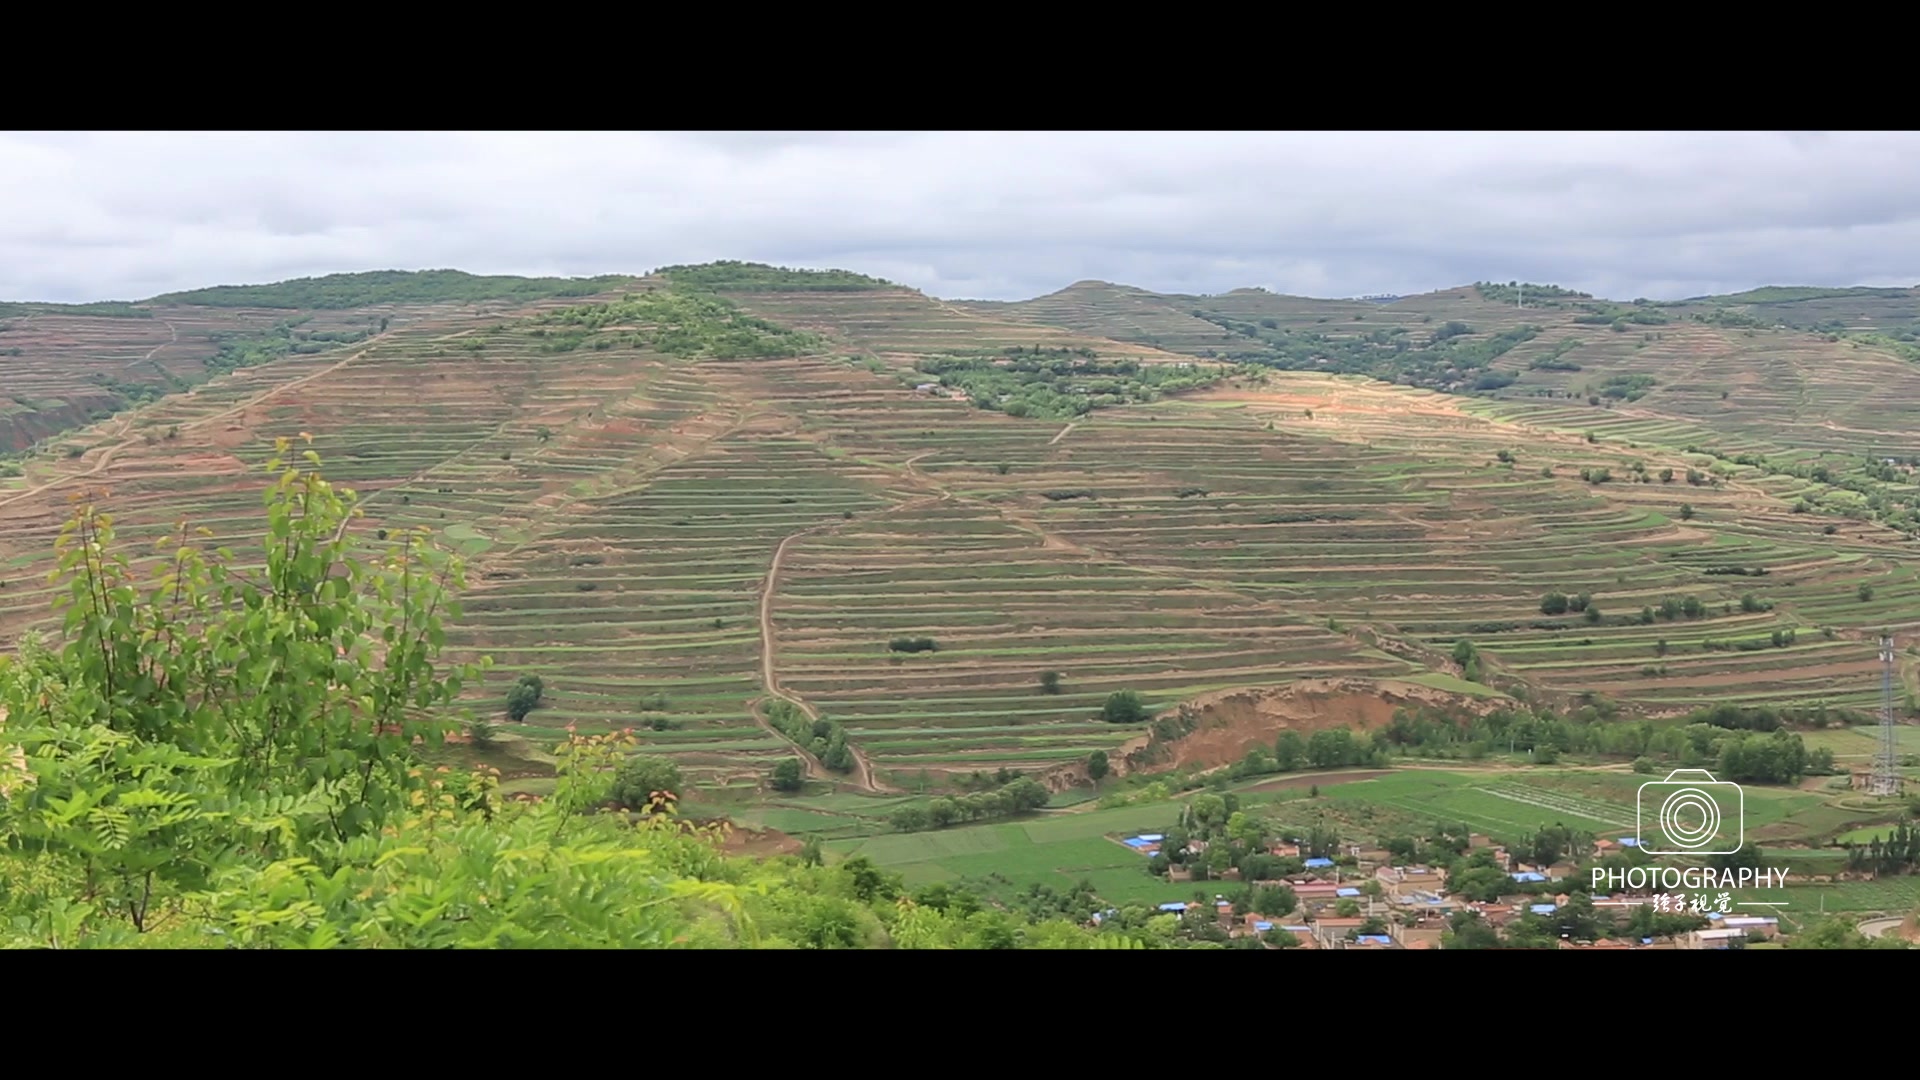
(823, 738)
(912, 645)
(1022, 795)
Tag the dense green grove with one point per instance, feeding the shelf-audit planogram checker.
(731, 276)
(1739, 744)
(675, 321)
(336, 292)
(1060, 384)
(1451, 357)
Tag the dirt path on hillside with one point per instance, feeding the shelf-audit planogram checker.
(769, 676)
(171, 329)
(1063, 433)
(770, 679)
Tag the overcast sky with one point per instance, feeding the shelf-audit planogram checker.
(970, 215)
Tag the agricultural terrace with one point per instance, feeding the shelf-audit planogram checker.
(386, 412)
(1392, 508)
(906, 324)
(1116, 312)
(648, 484)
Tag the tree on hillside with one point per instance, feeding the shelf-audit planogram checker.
(526, 696)
(642, 775)
(1124, 707)
(1097, 766)
(787, 775)
(1050, 682)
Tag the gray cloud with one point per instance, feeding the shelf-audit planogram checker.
(970, 214)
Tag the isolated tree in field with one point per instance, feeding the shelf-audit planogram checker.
(1097, 766)
(1686, 511)
(787, 775)
(1554, 603)
(1050, 682)
(640, 776)
(1124, 707)
(524, 697)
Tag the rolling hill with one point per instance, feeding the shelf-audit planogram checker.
(733, 504)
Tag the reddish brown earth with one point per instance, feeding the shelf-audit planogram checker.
(1235, 721)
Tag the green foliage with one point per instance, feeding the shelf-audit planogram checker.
(1019, 796)
(672, 321)
(1062, 383)
(643, 779)
(1124, 707)
(99, 309)
(1625, 387)
(1050, 682)
(730, 276)
(912, 645)
(823, 738)
(1097, 765)
(1529, 293)
(336, 292)
(525, 696)
(788, 775)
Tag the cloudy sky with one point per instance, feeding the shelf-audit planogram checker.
(970, 215)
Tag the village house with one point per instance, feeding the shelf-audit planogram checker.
(1285, 851)
(1302, 934)
(1315, 890)
(1761, 927)
(1402, 881)
(1714, 939)
(1424, 933)
(1372, 941)
(1603, 943)
(1332, 933)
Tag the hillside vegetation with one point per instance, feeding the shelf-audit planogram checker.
(336, 292)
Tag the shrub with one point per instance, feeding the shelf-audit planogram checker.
(1124, 707)
(640, 776)
(787, 775)
(912, 645)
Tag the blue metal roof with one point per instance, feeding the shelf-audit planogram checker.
(1629, 841)
(1346, 892)
(1152, 837)
(1263, 926)
(1543, 909)
(1375, 939)
(1528, 876)
(1173, 907)
(1319, 862)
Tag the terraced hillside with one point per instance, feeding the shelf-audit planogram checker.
(724, 506)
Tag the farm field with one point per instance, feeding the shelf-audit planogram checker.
(667, 535)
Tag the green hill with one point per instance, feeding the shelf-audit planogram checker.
(341, 291)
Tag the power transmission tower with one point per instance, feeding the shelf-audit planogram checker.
(1886, 764)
